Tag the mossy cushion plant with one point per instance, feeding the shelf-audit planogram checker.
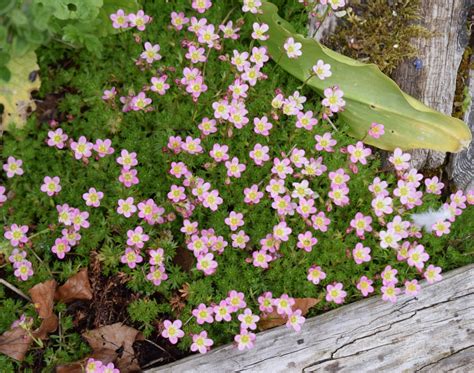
(186, 139)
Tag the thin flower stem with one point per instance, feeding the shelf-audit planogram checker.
(39, 233)
(187, 321)
(205, 64)
(228, 15)
(332, 124)
(322, 19)
(41, 261)
(311, 75)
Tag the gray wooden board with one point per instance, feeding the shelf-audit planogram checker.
(433, 332)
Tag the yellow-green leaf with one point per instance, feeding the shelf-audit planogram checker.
(370, 95)
(15, 95)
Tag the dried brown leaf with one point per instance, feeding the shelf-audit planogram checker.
(76, 287)
(118, 338)
(47, 326)
(42, 296)
(273, 319)
(15, 343)
(104, 355)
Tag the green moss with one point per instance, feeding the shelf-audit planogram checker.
(379, 31)
(462, 96)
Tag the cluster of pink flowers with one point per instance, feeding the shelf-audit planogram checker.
(74, 220)
(97, 366)
(17, 236)
(121, 20)
(224, 310)
(82, 148)
(128, 174)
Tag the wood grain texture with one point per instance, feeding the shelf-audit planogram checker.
(321, 31)
(431, 333)
(461, 165)
(435, 83)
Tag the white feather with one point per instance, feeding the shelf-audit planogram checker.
(427, 219)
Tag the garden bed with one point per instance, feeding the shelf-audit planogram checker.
(165, 207)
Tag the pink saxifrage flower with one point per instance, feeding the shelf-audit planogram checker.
(335, 293)
(13, 167)
(376, 130)
(361, 253)
(201, 343)
(315, 274)
(172, 331)
(16, 234)
(365, 286)
(93, 197)
(51, 185)
(131, 257)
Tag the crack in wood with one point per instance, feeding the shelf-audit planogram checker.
(332, 358)
(443, 358)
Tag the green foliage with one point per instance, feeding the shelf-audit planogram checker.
(66, 345)
(27, 24)
(144, 312)
(84, 113)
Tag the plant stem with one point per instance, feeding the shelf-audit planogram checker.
(39, 233)
(311, 75)
(332, 124)
(323, 18)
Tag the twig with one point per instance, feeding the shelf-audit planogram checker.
(159, 347)
(15, 289)
(153, 362)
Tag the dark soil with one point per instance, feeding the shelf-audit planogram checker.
(109, 306)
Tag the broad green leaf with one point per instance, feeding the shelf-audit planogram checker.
(5, 74)
(74, 9)
(3, 35)
(6, 6)
(42, 16)
(15, 95)
(4, 58)
(370, 95)
(18, 18)
(79, 34)
(21, 45)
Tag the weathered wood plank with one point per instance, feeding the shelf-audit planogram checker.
(461, 165)
(431, 333)
(435, 82)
